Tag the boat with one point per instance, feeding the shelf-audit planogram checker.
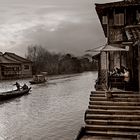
(14, 93)
(38, 79)
(37, 82)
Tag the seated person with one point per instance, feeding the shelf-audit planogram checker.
(126, 75)
(25, 87)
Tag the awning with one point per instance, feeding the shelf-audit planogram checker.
(98, 49)
(96, 57)
(109, 48)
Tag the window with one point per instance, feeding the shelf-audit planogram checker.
(26, 67)
(104, 19)
(119, 19)
(138, 16)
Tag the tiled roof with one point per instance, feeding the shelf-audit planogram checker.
(4, 60)
(132, 32)
(118, 4)
(15, 57)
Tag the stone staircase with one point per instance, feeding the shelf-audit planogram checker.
(116, 116)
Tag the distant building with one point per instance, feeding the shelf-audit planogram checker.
(121, 25)
(13, 66)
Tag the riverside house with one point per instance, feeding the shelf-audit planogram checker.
(13, 66)
(115, 114)
(121, 25)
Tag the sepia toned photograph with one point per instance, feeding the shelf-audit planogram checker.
(69, 70)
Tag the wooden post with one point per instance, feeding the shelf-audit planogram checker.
(107, 70)
(139, 64)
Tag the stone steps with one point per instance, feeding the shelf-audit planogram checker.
(114, 128)
(116, 116)
(105, 138)
(113, 117)
(112, 122)
(98, 92)
(117, 134)
(115, 92)
(114, 103)
(121, 99)
(105, 107)
(113, 112)
(118, 95)
(97, 95)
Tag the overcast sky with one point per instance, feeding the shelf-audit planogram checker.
(67, 26)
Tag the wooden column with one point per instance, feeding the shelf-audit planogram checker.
(139, 65)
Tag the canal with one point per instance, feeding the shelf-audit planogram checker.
(52, 111)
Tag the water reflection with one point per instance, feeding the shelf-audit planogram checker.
(53, 111)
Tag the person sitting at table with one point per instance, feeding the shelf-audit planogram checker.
(126, 77)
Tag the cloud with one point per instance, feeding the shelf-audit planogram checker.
(61, 26)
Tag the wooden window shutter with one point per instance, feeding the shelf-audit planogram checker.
(104, 20)
(119, 19)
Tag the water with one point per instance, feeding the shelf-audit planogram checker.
(53, 111)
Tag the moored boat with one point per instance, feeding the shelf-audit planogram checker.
(13, 93)
(38, 79)
(37, 82)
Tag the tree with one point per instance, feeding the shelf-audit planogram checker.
(55, 63)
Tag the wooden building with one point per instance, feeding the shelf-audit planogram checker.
(114, 115)
(121, 25)
(13, 66)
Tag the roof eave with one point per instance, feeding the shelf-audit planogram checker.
(117, 4)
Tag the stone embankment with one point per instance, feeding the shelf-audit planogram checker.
(113, 115)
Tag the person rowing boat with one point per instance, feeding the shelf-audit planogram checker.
(17, 85)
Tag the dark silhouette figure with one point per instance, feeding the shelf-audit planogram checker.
(17, 85)
(25, 87)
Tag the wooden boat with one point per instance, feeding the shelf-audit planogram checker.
(38, 79)
(13, 93)
(37, 82)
